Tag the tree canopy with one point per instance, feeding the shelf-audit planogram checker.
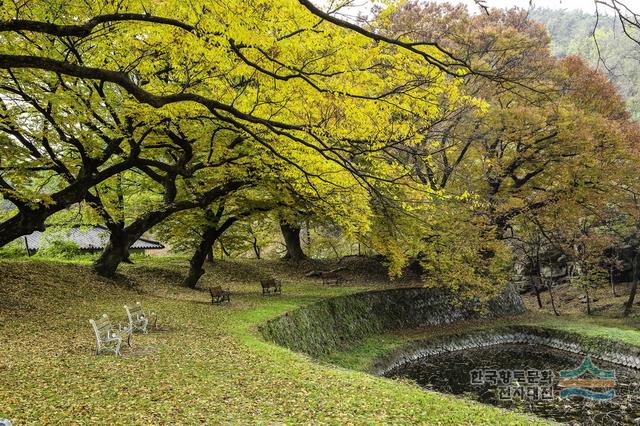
(425, 134)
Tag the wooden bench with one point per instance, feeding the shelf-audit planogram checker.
(331, 277)
(271, 286)
(218, 295)
(108, 337)
(138, 319)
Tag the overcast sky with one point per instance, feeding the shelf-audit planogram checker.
(585, 5)
(363, 6)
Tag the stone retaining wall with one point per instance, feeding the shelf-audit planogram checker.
(597, 348)
(335, 323)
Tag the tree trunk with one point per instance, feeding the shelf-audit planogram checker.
(634, 286)
(196, 270)
(586, 291)
(291, 234)
(224, 250)
(553, 300)
(537, 280)
(117, 249)
(256, 248)
(613, 285)
(115, 252)
(209, 236)
(197, 260)
(537, 291)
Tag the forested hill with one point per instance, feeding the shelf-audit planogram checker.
(571, 34)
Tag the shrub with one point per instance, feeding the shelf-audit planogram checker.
(57, 248)
(12, 250)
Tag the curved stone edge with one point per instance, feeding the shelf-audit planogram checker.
(598, 348)
(335, 323)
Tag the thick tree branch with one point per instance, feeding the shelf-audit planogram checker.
(123, 80)
(456, 67)
(84, 30)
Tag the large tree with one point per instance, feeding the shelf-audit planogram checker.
(519, 150)
(286, 75)
(188, 164)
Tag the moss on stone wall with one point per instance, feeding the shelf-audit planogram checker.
(335, 323)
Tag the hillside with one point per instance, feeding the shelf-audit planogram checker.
(571, 33)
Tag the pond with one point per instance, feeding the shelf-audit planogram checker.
(527, 378)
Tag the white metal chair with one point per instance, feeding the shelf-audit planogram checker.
(138, 319)
(108, 337)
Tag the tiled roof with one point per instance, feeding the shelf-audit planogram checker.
(90, 238)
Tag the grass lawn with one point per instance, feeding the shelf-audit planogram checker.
(206, 365)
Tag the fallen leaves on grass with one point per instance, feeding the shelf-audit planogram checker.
(210, 368)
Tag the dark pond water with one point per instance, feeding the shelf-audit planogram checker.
(526, 378)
